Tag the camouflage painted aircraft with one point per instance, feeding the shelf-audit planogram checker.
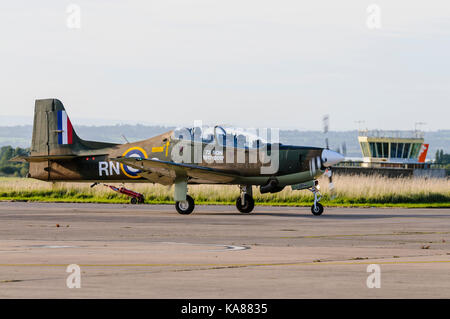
(178, 157)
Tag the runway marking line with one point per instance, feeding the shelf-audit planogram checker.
(323, 263)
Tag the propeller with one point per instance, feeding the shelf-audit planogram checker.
(328, 172)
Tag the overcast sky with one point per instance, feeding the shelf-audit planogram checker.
(248, 63)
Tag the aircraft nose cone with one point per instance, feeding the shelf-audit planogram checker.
(329, 158)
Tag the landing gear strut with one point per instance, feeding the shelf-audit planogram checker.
(316, 208)
(245, 202)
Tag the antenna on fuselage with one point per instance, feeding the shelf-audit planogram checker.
(125, 139)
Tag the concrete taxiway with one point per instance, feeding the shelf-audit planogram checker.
(150, 251)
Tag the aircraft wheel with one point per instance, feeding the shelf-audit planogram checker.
(185, 207)
(318, 210)
(248, 206)
(141, 200)
(133, 200)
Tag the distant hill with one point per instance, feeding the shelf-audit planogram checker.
(20, 136)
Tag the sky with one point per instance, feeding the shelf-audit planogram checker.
(282, 64)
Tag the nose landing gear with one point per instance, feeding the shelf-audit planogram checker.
(316, 208)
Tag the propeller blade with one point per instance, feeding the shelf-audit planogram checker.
(326, 119)
(344, 149)
(329, 173)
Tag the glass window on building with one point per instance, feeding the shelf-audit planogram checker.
(394, 150)
(406, 150)
(379, 149)
(373, 149)
(415, 150)
(419, 147)
(365, 149)
(399, 150)
(411, 153)
(385, 149)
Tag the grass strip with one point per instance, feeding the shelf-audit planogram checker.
(81, 199)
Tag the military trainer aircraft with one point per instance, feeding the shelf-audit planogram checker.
(179, 157)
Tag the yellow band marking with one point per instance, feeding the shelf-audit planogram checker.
(158, 149)
(167, 148)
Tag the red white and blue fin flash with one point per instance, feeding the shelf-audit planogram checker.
(65, 130)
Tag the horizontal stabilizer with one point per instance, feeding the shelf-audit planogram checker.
(43, 158)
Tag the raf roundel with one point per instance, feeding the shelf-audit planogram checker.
(136, 152)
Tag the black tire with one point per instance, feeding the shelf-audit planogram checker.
(185, 207)
(318, 211)
(133, 200)
(248, 206)
(141, 200)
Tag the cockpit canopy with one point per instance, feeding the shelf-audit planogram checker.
(224, 136)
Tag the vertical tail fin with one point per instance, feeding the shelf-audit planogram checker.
(53, 133)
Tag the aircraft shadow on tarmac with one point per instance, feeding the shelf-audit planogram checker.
(333, 216)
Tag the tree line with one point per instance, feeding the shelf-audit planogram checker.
(442, 158)
(8, 168)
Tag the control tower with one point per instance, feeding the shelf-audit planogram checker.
(399, 149)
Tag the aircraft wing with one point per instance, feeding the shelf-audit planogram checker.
(165, 172)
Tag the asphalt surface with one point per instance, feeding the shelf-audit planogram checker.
(150, 251)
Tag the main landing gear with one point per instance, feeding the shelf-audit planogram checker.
(185, 207)
(316, 208)
(245, 202)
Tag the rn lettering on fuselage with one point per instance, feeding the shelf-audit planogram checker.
(108, 168)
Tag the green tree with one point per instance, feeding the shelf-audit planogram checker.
(441, 157)
(8, 168)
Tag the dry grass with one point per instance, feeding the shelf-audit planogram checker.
(349, 190)
(377, 187)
